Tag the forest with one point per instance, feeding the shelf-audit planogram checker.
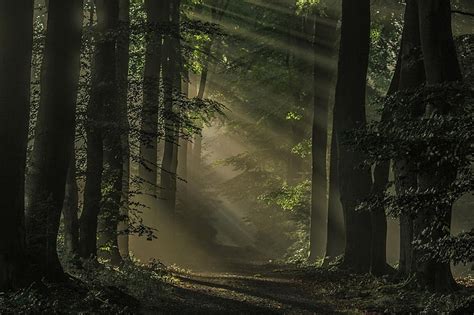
(236, 157)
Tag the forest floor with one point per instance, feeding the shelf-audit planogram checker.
(271, 289)
(233, 289)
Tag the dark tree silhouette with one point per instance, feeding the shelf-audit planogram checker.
(54, 136)
(16, 23)
(103, 97)
(354, 182)
(157, 18)
(172, 87)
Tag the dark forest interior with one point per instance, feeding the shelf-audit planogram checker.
(236, 156)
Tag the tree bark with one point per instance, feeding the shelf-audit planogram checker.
(157, 16)
(103, 96)
(112, 182)
(300, 70)
(172, 86)
(54, 136)
(441, 65)
(71, 211)
(335, 226)
(378, 265)
(123, 61)
(324, 71)
(218, 9)
(16, 36)
(411, 76)
(354, 182)
(183, 155)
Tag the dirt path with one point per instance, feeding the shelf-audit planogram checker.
(262, 294)
(270, 289)
(252, 289)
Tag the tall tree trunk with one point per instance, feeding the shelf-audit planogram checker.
(183, 154)
(71, 210)
(103, 97)
(157, 16)
(54, 136)
(112, 182)
(197, 147)
(16, 36)
(172, 83)
(378, 265)
(218, 9)
(354, 182)
(335, 238)
(411, 76)
(441, 66)
(298, 64)
(324, 71)
(123, 61)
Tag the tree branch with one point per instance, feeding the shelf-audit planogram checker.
(462, 13)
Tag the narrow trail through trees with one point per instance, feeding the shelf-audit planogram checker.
(238, 288)
(245, 289)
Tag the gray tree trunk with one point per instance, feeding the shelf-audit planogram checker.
(324, 70)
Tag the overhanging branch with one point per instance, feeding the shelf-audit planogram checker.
(462, 13)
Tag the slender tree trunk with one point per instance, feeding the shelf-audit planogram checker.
(54, 136)
(172, 82)
(16, 25)
(354, 182)
(197, 148)
(123, 60)
(378, 255)
(441, 65)
(157, 14)
(71, 210)
(112, 186)
(218, 9)
(183, 167)
(411, 76)
(335, 229)
(297, 77)
(378, 264)
(183, 155)
(103, 97)
(112, 182)
(324, 71)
